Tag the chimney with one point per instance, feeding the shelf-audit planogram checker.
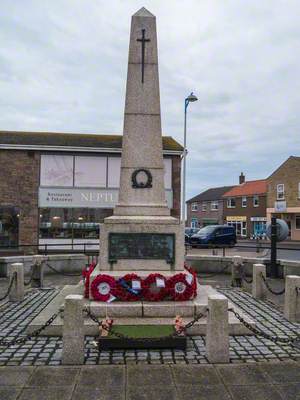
(241, 178)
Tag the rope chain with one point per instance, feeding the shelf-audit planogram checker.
(265, 335)
(27, 283)
(24, 339)
(269, 287)
(14, 276)
(150, 340)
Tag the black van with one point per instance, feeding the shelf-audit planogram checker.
(214, 235)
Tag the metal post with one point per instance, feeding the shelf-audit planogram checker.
(186, 103)
(274, 267)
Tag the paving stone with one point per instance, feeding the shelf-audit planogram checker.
(15, 376)
(51, 376)
(256, 392)
(202, 392)
(290, 391)
(242, 375)
(290, 373)
(102, 376)
(195, 375)
(9, 393)
(150, 393)
(49, 393)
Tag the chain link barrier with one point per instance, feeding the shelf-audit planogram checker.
(295, 342)
(269, 287)
(27, 283)
(13, 278)
(60, 272)
(22, 340)
(147, 340)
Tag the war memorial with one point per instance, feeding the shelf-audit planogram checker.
(143, 283)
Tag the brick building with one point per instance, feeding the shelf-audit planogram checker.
(56, 188)
(245, 207)
(207, 207)
(283, 195)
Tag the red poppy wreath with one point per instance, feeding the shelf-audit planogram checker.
(178, 288)
(129, 288)
(155, 287)
(103, 287)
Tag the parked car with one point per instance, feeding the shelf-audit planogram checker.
(214, 235)
(188, 233)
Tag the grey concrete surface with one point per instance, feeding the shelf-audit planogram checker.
(276, 381)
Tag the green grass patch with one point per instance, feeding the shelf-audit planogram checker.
(143, 331)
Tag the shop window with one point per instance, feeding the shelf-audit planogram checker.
(9, 227)
(204, 206)
(56, 170)
(71, 223)
(280, 191)
(214, 205)
(244, 201)
(55, 223)
(194, 207)
(230, 202)
(90, 171)
(297, 221)
(255, 201)
(114, 170)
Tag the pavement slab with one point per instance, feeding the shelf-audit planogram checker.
(9, 392)
(257, 392)
(48, 393)
(54, 376)
(15, 376)
(195, 375)
(278, 374)
(242, 374)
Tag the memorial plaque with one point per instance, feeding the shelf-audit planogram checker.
(156, 246)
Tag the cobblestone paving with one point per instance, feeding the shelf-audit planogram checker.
(14, 317)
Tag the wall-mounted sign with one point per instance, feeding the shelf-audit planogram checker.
(280, 206)
(86, 198)
(258, 219)
(236, 218)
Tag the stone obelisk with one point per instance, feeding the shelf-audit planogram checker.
(142, 212)
(142, 138)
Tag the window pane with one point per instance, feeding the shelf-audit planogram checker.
(168, 173)
(297, 221)
(114, 169)
(90, 171)
(56, 223)
(9, 226)
(56, 170)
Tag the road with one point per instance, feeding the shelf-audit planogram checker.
(286, 250)
(247, 248)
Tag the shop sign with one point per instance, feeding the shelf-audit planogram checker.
(236, 218)
(89, 198)
(258, 219)
(280, 206)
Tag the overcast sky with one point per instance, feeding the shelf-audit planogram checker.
(63, 67)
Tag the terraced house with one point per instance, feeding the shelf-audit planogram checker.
(245, 207)
(283, 189)
(207, 207)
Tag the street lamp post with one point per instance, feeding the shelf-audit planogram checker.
(190, 99)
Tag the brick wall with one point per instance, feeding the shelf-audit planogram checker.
(288, 174)
(19, 180)
(208, 214)
(176, 184)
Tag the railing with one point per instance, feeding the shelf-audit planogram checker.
(53, 248)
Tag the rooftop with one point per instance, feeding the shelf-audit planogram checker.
(248, 189)
(55, 139)
(211, 194)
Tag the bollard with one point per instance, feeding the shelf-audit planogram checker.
(292, 298)
(73, 331)
(236, 271)
(38, 272)
(17, 290)
(217, 331)
(258, 286)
